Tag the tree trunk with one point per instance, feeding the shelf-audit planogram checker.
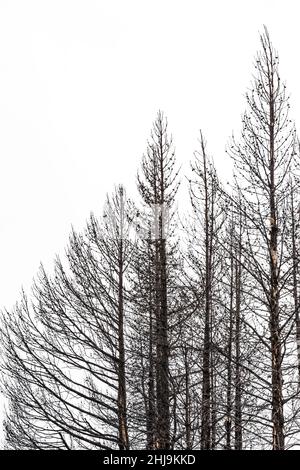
(295, 283)
(206, 366)
(151, 418)
(188, 428)
(228, 423)
(122, 405)
(277, 399)
(238, 437)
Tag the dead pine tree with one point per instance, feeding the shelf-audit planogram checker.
(232, 330)
(264, 162)
(65, 352)
(112, 240)
(157, 183)
(205, 197)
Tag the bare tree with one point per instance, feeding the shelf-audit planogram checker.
(66, 351)
(142, 338)
(264, 162)
(158, 186)
(205, 199)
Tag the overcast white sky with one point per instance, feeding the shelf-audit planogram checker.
(80, 84)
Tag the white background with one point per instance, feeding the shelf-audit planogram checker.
(80, 84)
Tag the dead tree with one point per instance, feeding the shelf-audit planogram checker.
(233, 330)
(264, 162)
(142, 380)
(205, 197)
(66, 351)
(158, 186)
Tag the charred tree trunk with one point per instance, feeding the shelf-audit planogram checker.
(158, 188)
(213, 390)
(277, 399)
(163, 392)
(206, 362)
(238, 436)
(122, 406)
(122, 398)
(187, 423)
(151, 415)
(228, 423)
(295, 281)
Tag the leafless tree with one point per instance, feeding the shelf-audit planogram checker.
(264, 162)
(67, 349)
(206, 225)
(157, 183)
(156, 334)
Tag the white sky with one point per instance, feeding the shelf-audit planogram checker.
(80, 84)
